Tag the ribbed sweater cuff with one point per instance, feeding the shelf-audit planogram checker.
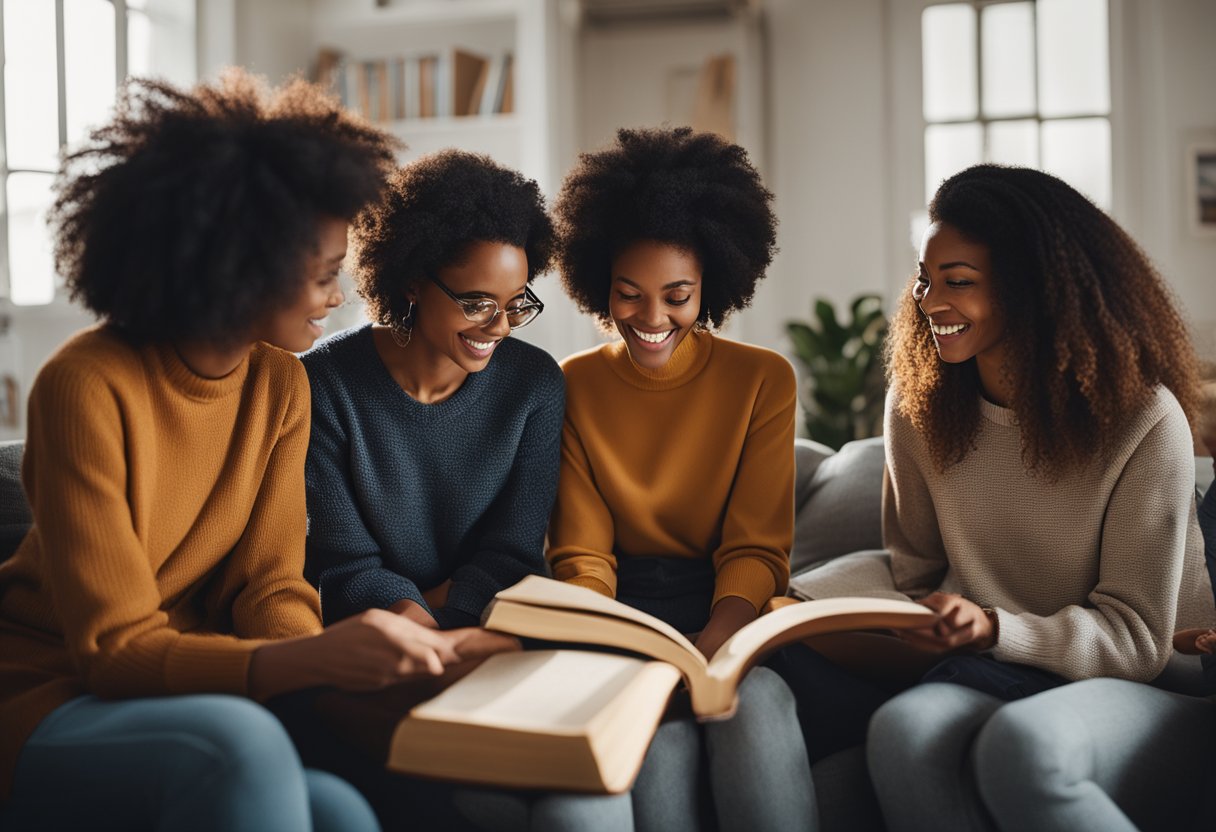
(593, 583)
(210, 664)
(746, 578)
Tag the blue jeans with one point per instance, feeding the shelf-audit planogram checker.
(204, 762)
(749, 772)
(835, 706)
(1103, 755)
(1207, 524)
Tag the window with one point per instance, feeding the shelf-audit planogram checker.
(61, 65)
(1021, 83)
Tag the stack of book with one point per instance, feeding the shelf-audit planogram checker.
(454, 82)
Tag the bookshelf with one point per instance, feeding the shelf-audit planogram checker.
(531, 138)
(440, 45)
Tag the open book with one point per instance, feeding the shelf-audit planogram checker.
(579, 720)
(547, 609)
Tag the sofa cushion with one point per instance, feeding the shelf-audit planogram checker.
(838, 506)
(15, 517)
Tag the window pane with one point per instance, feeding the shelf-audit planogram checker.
(1078, 151)
(88, 41)
(31, 94)
(1074, 64)
(160, 41)
(1014, 143)
(1007, 33)
(948, 56)
(139, 45)
(31, 273)
(948, 149)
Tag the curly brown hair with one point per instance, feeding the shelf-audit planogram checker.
(432, 210)
(1080, 301)
(696, 191)
(189, 214)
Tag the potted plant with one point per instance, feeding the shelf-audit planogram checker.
(843, 383)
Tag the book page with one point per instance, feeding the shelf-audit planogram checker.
(808, 618)
(583, 627)
(546, 592)
(555, 691)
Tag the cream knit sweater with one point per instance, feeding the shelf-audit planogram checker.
(1089, 574)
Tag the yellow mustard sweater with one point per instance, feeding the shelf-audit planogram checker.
(169, 523)
(693, 460)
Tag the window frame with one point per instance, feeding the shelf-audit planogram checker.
(1036, 115)
(122, 12)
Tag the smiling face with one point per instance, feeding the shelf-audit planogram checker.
(655, 301)
(493, 271)
(956, 292)
(298, 325)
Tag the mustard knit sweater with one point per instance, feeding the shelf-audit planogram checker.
(169, 524)
(693, 460)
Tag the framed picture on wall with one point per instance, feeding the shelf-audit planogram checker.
(1201, 188)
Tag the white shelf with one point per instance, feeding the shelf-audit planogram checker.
(420, 12)
(452, 124)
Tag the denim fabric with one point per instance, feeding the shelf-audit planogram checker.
(676, 590)
(835, 707)
(1103, 755)
(1207, 524)
(748, 773)
(185, 763)
(1004, 680)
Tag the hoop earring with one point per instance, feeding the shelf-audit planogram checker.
(403, 330)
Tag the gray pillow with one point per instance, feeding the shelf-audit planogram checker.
(15, 517)
(838, 509)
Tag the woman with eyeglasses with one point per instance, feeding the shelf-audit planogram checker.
(435, 436)
(435, 440)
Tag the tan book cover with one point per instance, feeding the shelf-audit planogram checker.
(546, 609)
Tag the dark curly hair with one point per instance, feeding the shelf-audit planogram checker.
(432, 210)
(1079, 300)
(696, 191)
(189, 213)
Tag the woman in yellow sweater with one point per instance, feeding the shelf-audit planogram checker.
(160, 588)
(676, 488)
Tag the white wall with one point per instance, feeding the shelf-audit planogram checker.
(1169, 103)
(830, 146)
(828, 169)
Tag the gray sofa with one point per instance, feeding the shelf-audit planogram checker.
(837, 498)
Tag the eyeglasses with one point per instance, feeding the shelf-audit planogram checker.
(484, 311)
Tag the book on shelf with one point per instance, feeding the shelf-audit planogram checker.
(468, 82)
(582, 720)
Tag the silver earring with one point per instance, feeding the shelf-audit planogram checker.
(403, 330)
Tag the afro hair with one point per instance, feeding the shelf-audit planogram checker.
(189, 214)
(696, 191)
(431, 212)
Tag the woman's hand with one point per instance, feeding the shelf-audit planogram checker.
(367, 651)
(728, 617)
(960, 623)
(1195, 641)
(415, 612)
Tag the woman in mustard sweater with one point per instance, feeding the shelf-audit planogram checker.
(675, 494)
(160, 589)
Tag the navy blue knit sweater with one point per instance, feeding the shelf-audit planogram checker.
(404, 495)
